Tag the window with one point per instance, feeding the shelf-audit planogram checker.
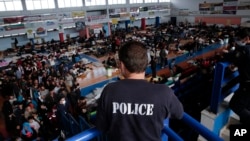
(164, 0)
(95, 2)
(110, 2)
(69, 3)
(10, 5)
(150, 1)
(135, 1)
(39, 4)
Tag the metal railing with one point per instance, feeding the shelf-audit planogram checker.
(187, 119)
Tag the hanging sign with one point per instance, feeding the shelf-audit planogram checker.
(114, 21)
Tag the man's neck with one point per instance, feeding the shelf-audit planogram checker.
(136, 76)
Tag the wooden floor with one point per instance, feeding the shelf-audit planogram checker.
(98, 74)
(185, 65)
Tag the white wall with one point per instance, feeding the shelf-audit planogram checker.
(189, 5)
(193, 6)
(164, 19)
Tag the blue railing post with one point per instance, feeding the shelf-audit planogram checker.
(220, 81)
(217, 89)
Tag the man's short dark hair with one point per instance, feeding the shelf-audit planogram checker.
(133, 54)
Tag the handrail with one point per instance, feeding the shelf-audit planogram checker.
(85, 135)
(171, 134)
(194, 124)
(201, 129)
(84, 125)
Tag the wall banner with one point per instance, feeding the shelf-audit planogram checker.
(80, 25)
(12, 20)
(114, 21)
(30, 33)
(41, 32)
(211, 8)
(244, 5)
(151, 13)
(230, 6)
(32, 18)
(114, 16)
(48, 17)
(97, 18)
(14, 27)
(60, 28)
(61, 16)
(117, 10)
(134, 9)
(77, 14)
(1, 21)
(124, 16)
(183, 12)
(50, 23)
(40, 29)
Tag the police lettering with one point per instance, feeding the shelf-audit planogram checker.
(133, 109)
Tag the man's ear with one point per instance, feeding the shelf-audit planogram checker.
(122, 66)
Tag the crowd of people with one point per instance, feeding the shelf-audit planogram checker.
(36, 94)
(40, 89)
(39, 92)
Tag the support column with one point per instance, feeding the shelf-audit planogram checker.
(32, 44)
(61, 31)
(126, 24)
(157, 21)
(143, 23)
(61, 37)
(84, 32)
(87, 31)
(109, 29)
